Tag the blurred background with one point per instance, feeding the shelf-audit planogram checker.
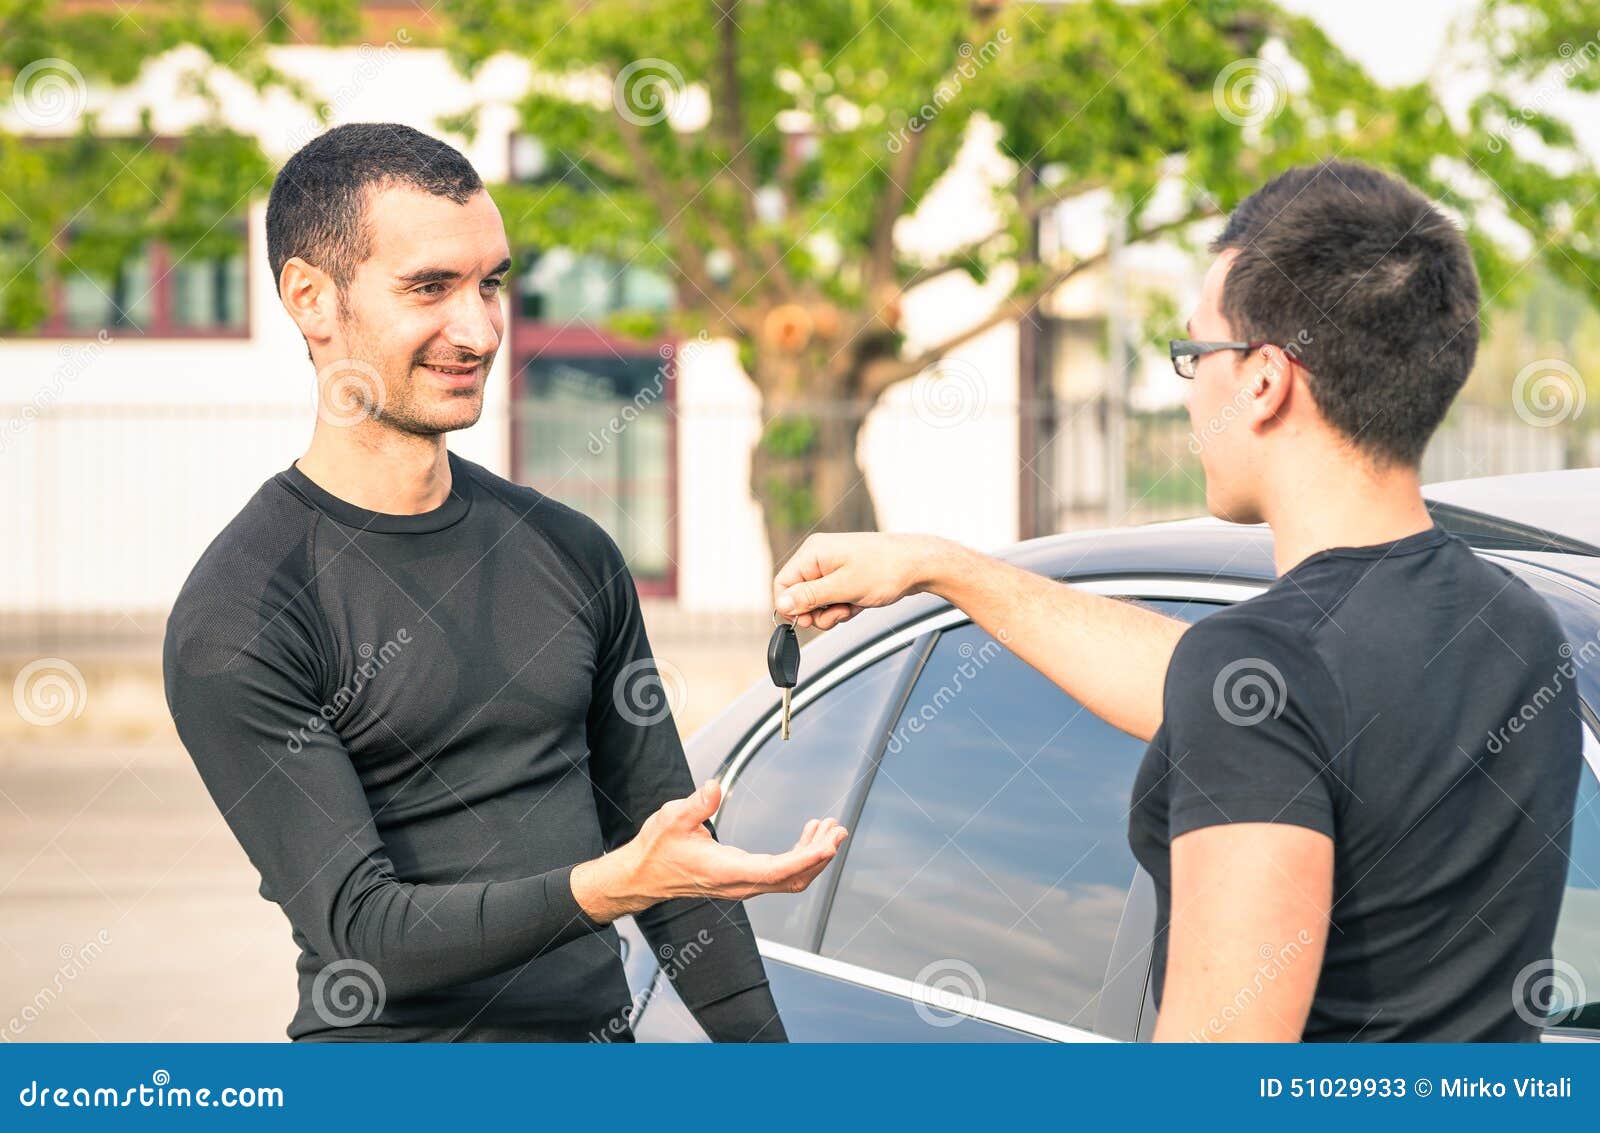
(781, 267)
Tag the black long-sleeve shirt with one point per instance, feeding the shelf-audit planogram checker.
(416, 725)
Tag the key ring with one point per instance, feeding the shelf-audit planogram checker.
(776, 622)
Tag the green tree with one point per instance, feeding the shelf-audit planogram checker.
(77, 196)
(829, 121)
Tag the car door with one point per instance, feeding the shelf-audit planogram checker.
(980, 895)
(771, 787)
(1569, 986)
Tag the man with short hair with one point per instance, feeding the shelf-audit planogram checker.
(1322, 775)
(422, 695)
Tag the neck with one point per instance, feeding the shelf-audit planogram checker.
(1342, 503)
(378, 468)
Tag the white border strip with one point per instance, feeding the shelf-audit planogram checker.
(908, 990)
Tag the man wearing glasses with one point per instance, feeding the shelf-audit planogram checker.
(1363, 817)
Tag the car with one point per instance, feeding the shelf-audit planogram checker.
(987, 892)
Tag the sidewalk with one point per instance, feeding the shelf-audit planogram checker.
(127, 910)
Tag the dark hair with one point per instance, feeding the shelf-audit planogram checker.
(1369, 286)
(317, 210)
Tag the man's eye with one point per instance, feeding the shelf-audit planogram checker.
(495, 284)
(431, 289)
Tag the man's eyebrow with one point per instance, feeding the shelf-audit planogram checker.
(428, 275)
(445, 275)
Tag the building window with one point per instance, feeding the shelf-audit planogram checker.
(592, 420)
(563, 287)
(161, 291)
(121, 302)
(594, 430)
(209, 292)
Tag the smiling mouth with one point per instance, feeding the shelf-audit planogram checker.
(454, 372)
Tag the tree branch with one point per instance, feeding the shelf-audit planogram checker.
(880, 376)
(727, 119)
(896, 194)
(957, 260)
(690, 260)
(880, 258)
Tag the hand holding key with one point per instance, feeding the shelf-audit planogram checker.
(783, 664)
(831, 578)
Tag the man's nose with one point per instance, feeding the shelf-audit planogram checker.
(474, 325)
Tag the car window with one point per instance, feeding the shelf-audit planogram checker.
(816, 773)
(1571, 989)
(991, 858)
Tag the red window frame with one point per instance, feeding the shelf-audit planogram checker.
(161, 325)
(531, 339)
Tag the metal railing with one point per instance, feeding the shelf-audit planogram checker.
(108, 506)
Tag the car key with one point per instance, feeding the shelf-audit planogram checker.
(783, 663)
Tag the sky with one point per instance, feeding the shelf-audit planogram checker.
(1396, 40)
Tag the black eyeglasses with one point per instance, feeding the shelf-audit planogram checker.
(1187, 352)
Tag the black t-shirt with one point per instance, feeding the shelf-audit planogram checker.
(416, 725)
(1370, 694)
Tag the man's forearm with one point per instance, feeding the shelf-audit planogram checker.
(605, 890)
(1108, 654)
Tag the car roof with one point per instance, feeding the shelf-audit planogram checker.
(1185, 550)
(1564, 506)
(1533, 517)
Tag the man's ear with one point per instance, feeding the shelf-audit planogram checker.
(309, 295)
(1271, 375)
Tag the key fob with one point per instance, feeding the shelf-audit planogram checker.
(783, 656)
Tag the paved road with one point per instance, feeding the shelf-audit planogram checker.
(127, 911)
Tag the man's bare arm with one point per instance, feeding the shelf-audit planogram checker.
(1108, 654)
(1247, 897)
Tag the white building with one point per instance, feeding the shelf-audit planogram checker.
(129, 439)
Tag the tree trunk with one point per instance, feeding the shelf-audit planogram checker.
(805, 473)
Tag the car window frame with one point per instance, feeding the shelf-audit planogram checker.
(757, 740)
(922, 635)
(1590, 721)
(1129, 991)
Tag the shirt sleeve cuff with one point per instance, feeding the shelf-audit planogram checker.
(1195, 814)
